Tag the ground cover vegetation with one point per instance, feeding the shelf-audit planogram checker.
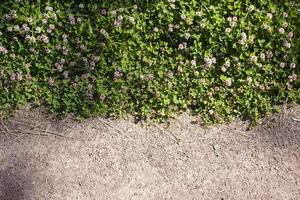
(220, 59)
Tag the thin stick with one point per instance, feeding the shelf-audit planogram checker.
(108, 124)
(45, 134)
(295, 119)
(46, 130)
(38, 129)
(5, 127)
(175, 138)
(32, 126)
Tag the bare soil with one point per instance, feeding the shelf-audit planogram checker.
(41, 158)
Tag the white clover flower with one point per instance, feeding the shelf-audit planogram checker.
(102, 31)
(251, 8)
(155, 29)
(54, 16)
(32, 39)
(287, 45)
(281, 30)
(265, 26)
(49, 8)
(25, 27)
(229, 19)
(117, 23)
(64, 36)
(13, 14)
(183, 17)
(170, 29)
(249, 79)
(38, 29)
(72, 19)
(213, 60)
(282, 65)
(193, 62)
(48, 50)
(13, 77)
(293, 65)
(29, 19)
(285, 14)
(65, 50)
(270, 16)
(44, 39)
(81, 5)
(227, 63)
(227, 30)
(290, 35)
(253, 59)
(285, 24)
(198, 13)
(66, 74)
(60, 24)
(16, 28)
(51, 81)
(49, 30)
(103, 12)
(62, 61)
(1, 33)
(13, 56)
(211, 112)
(120, 17)
(3, 50)
(262, 56)
(234, 18)
(79, 20)
(180, 46)
(292, 77)
(44, 21)
(208, 62)
(242, 42)
(244, 36)
(27, 37)
(269, 54)
(51, 26)
(228, 82)
(132, 20)
(187, 36)
(223, 69)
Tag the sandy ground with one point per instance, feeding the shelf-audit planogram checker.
(118, 159)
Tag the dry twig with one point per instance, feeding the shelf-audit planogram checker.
(296, 119)
(175, 138)
(106, 124)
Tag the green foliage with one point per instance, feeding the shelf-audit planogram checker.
(221, 59)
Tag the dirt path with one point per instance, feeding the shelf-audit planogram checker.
(122, 160)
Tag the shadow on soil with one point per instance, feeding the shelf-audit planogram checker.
(13, 184)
